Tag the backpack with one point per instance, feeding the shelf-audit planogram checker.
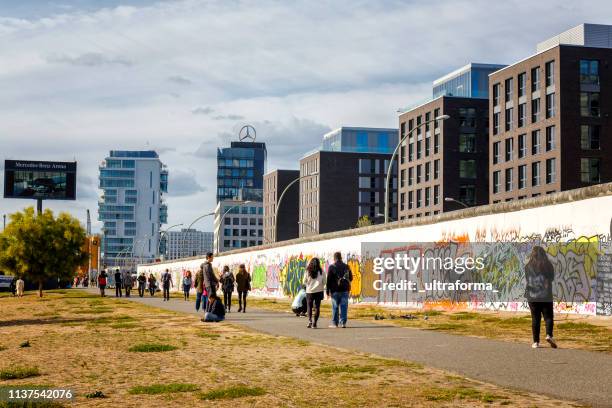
(344, 283)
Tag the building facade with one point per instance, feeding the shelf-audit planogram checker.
(550, 118)
(240, 170)
(132, 206)
(187, 243)
(337, 188)
(238, 224)
(360, 140)
(443, 159)
(470, 81)
(275, 183)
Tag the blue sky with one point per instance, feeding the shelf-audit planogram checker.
(79, 78)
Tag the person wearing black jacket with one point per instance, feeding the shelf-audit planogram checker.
(215, 310)
(539, 276)
(118, 283)
(142, 283)
(339, 278)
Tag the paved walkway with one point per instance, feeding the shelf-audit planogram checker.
(582, 376)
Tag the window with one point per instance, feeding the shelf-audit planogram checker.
(522, 84)
(418, 198)
(535, 110)
(427, 119)
(535, 174)
(522, 114)
(550, 73)
(436, 197)
(589, 104)
(467, 194)
(467, 117)
(436, 143)
(496, 123)
(427, 171)
(535, 79)
(436, 115)
(522, 146)
(550, 138)
(427, 146)
(589, 72)
(535, 142)
(410, 176)
(410, 200)
(436, 169)
(589, 137)
(508, 89)
(509, 149)
(509, 181)
(522, 176)
(402, 178)
(427, 196)
(590, 170)
(496, 94)
(496, 181)
(418, 149)
(410, 152)
(467, 168)
(551, 171)
(550, 105)
(509, 113)
(496, 152)
(467, 142)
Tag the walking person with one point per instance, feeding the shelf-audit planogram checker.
(102, 283)
(127, 283)
(166, 280)
(243, 284)
(20, 286)
(211, 282)
(142, 283)
(152, 284)
(118, 283)
(215, 311)
(13, 286)
(187, 281)
(201, 297)
(539, 275)
(339, 278)
(314, 279)
(227, 285)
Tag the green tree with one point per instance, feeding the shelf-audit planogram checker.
(40, 247)
(364, 221)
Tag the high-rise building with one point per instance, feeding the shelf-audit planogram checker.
(275, 183)
(132, 207)
(360, 140)
(470, 81)
(238, 224)
(240, 170)
(550, 117)
(187, 243)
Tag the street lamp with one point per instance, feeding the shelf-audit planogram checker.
(280, 200)
(223, 216)
(188, 228)
(401, 142)
(162, 234)
(452, 200)
(307, 224)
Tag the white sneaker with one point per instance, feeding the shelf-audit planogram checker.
(551, 341)
(535, 345)
(344, 325)
(332, 326)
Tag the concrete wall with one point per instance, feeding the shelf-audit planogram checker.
(566, 218)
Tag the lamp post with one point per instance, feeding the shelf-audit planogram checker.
(399, 145)
(452, 200)
(305, 223)
(162, 234)
(223, 216)
(189, 227)
(280, 200)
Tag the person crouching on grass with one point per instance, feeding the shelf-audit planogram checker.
(215, 310)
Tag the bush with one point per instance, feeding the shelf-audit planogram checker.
(18, 373)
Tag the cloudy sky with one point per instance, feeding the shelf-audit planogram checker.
(79, 78)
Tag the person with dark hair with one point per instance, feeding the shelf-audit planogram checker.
(118, 283)
(539, 275)
(227, 285)
(152, 284)
(339, 278)
(102, 283)
(166, 279)
(201, 297)
(13, 286)
(142, 282)
(127, 283)
(314, 279)
(215, 311)
(243, 285)
(211, 283)
(187, 285)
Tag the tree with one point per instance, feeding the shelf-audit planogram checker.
(364, 221)
(40, 247)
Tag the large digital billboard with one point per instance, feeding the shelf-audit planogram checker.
(40, 180)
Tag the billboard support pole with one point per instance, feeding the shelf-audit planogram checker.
(39, 206)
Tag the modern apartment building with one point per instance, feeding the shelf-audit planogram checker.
(550, 117)
(187, 243)
(469, 81)
(360, 140)
(238, 224)
(275, 183)
(132, 207)
(337, 188)
(240, 170)
(443, 159)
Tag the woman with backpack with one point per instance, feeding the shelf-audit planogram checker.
(314, 279)
(243, 283)
(187, 281)
(227, 284)
(102, 283)
(539, 275)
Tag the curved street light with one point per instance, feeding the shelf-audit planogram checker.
(307, 224)
(452, 200)
(223, 216)
(280, 200)
(401, 142)
(164, 233)
(189, 227)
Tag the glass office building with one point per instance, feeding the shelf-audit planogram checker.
(360, 140)
(240, 170)
(470, 81)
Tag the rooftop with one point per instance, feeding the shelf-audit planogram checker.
(138, 154)
(466, 68)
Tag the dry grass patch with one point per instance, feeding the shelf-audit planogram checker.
(163, 388)
(151, 348)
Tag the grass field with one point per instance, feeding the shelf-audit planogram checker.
(121, 353)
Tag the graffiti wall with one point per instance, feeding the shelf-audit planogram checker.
(576, 235)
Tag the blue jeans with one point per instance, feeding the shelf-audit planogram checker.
(201, 299)
(339, 300)
(211, 317)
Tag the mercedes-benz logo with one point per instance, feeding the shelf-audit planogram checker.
(247, 132)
